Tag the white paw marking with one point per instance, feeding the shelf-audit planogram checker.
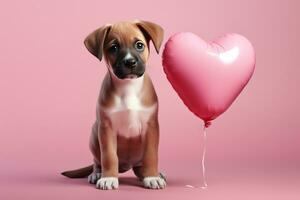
(107, 183)
(94, 177)
(154, 182)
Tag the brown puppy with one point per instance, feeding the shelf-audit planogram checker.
(125, 134)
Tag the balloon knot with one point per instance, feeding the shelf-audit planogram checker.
(207, 124)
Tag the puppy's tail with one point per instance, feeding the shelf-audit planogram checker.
(79, 173)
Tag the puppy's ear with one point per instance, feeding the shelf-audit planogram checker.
(152, 32)
(94, 42)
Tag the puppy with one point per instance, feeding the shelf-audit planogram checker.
(125, 134)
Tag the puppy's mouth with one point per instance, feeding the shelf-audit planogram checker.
(128, 74)
(131, 76)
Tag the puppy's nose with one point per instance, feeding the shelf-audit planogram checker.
(130, 62)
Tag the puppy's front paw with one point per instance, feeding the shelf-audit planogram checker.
(154, 182)
(94, 177)
(107, 183)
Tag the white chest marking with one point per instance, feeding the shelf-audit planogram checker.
(128, 116)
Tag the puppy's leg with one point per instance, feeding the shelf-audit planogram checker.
(95, 149)
(109, 159)
(138, 173)
(149, 170)
(95, 175)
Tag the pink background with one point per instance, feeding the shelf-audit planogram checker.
(49, 84)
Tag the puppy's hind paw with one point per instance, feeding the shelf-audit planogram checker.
(94, 177)
(107, 183)
(154, 182)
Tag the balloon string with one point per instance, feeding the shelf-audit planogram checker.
(206, 125)
(203, 158)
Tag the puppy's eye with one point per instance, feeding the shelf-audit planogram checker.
(139, 46)
(114, 48)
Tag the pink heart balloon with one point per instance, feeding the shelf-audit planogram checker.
(208, 76)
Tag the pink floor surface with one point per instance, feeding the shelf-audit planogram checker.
(17, 184)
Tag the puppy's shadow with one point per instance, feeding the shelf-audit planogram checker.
(56, 179)
(130, 181)
(59, 179)
(127, 180)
